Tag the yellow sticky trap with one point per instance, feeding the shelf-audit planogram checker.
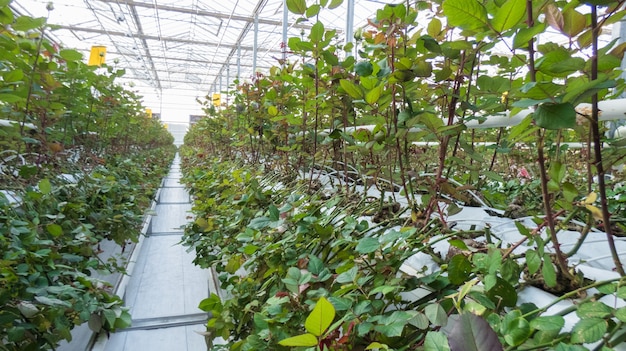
(97, 56)
(216, 100)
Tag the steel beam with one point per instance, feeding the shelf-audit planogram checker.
(153, 37)
(146, 47)
(199, 12)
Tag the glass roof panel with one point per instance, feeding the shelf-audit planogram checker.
(183, 48)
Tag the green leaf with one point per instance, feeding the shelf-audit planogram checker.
(570, 193)
(341, 303)
(436, 341)
(364, 68)
(320, 318)
(335, 4)
(124, 320)
(272, 111)
(109, 317)
(516, 331)
(458, 243)
(297, 6)
(50, 301)
(436, 314)
(555, 116)
(54, 229)
(621, 292)
(465, 14)
(493, 176)
(524, 35)
(367, 245)
(317, 32)
(25, 23)
(620, 314)
(10, 98)
(589, 330)
(259, 223)
(560, 63)
(315, 266)
(274, 213)
(434, 27)
(14, 75)
(459, 269)
(312, 11)
(503, 293)
(71, 55)
(391, 330)
(348, 276)
(470, 332)
(573, 22)
(508, 15)
(250, 249)
(233, 264)
(352, 89)
(423, 69)
(579, 88)
(548, 323)
(418, 320)
(307, 340)
(594, 309)
(533, 261)
(383, 289)
(45, 187)
(490, 281)
(557, 171)
(373, 95)
(548, 271)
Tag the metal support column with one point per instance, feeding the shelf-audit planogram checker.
(227, 82)
(350, 23)
(238, 62)
(255, 46)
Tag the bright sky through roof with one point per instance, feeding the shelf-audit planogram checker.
(175, 51)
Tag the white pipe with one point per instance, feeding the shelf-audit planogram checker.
(10, 123)
(490, 143)
(609, 110)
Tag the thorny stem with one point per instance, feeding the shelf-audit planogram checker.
(532, 233)
(541, 160)
(445, 140)
(32, 75)
(597, 147)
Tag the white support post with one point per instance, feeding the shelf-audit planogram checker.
(238, 62)
(350, 24)
(255, 45)
(227, 82)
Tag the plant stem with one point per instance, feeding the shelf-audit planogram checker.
(571, 294)
(541, 160)
(597, 147)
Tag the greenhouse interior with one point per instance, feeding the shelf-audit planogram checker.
(312, 175)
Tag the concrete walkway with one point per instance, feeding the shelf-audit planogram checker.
(165, 287)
